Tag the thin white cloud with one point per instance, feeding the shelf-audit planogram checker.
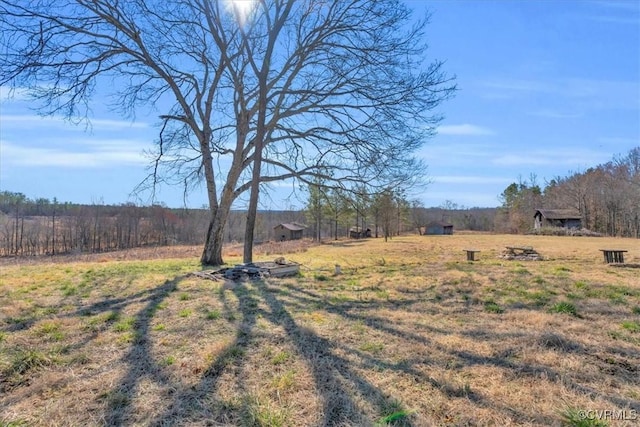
(473, 151)
(465, 198)
(619, 140)
(101, 155)
(8, 94)
(524, 159)
(110, 124)
(464, 179)
(29, 121)
(519, 85)
(464, 129)
(283, 184)
(551, 114)
(564, 157)
(585, 94)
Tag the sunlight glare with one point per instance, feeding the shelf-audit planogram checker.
(241, 9)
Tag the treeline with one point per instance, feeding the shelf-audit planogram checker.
(607, 198)
(41, 226)
(335, 213)
(44, 227)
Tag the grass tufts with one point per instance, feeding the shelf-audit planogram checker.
(284, 382)
(259, 412)
(125, 324)
(116, 399)
(13, 423)
(213, 314)
(579, 418)
(280, 358)
(491, 306)
(51, 330)
(564, 308)
(24, 361)
(580, 284)
(631, 326)
(372, 347)
(393, 413)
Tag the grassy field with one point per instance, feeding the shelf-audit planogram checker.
(409, 334)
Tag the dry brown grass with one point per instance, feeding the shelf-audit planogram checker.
(410, 334)
(231, 251)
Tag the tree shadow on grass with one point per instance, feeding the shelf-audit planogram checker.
(407, 367)
(341, 388)
(346, 396)
(204, 397)
(357, 312)
(184, 404)
(347, 243)
(138, 360)
(335, 381)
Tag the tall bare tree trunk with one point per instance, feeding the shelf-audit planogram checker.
(247, 256)
(212, 253)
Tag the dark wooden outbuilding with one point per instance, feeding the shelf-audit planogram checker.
(438, 227)
(564, 218)
(359, 232)
(289, 231)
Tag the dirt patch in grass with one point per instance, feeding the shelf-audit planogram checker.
(409, 333)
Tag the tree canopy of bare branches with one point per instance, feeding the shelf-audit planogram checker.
(291, 90)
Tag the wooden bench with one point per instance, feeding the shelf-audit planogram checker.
(613, 255)
(471, 254)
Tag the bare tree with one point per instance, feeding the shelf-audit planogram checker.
(295, 89)
(337, 208)
(519, 201)
(316, 207)
(387, 204)
(418, 215)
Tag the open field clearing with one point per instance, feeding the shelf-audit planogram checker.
(409, 334)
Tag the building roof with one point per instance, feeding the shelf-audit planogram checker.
(358, 229)
(439, 223)
(292, 226)
(559, 213)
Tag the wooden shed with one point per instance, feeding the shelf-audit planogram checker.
(359, 232)
(289, 231)
(564, 218)
(438, 227)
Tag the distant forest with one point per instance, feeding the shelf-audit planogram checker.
(607, 197)
(40, 226)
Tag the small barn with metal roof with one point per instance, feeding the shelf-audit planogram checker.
(438, 227)
(289, 231)
(564, 218)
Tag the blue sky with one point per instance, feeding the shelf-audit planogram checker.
(545, 88)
